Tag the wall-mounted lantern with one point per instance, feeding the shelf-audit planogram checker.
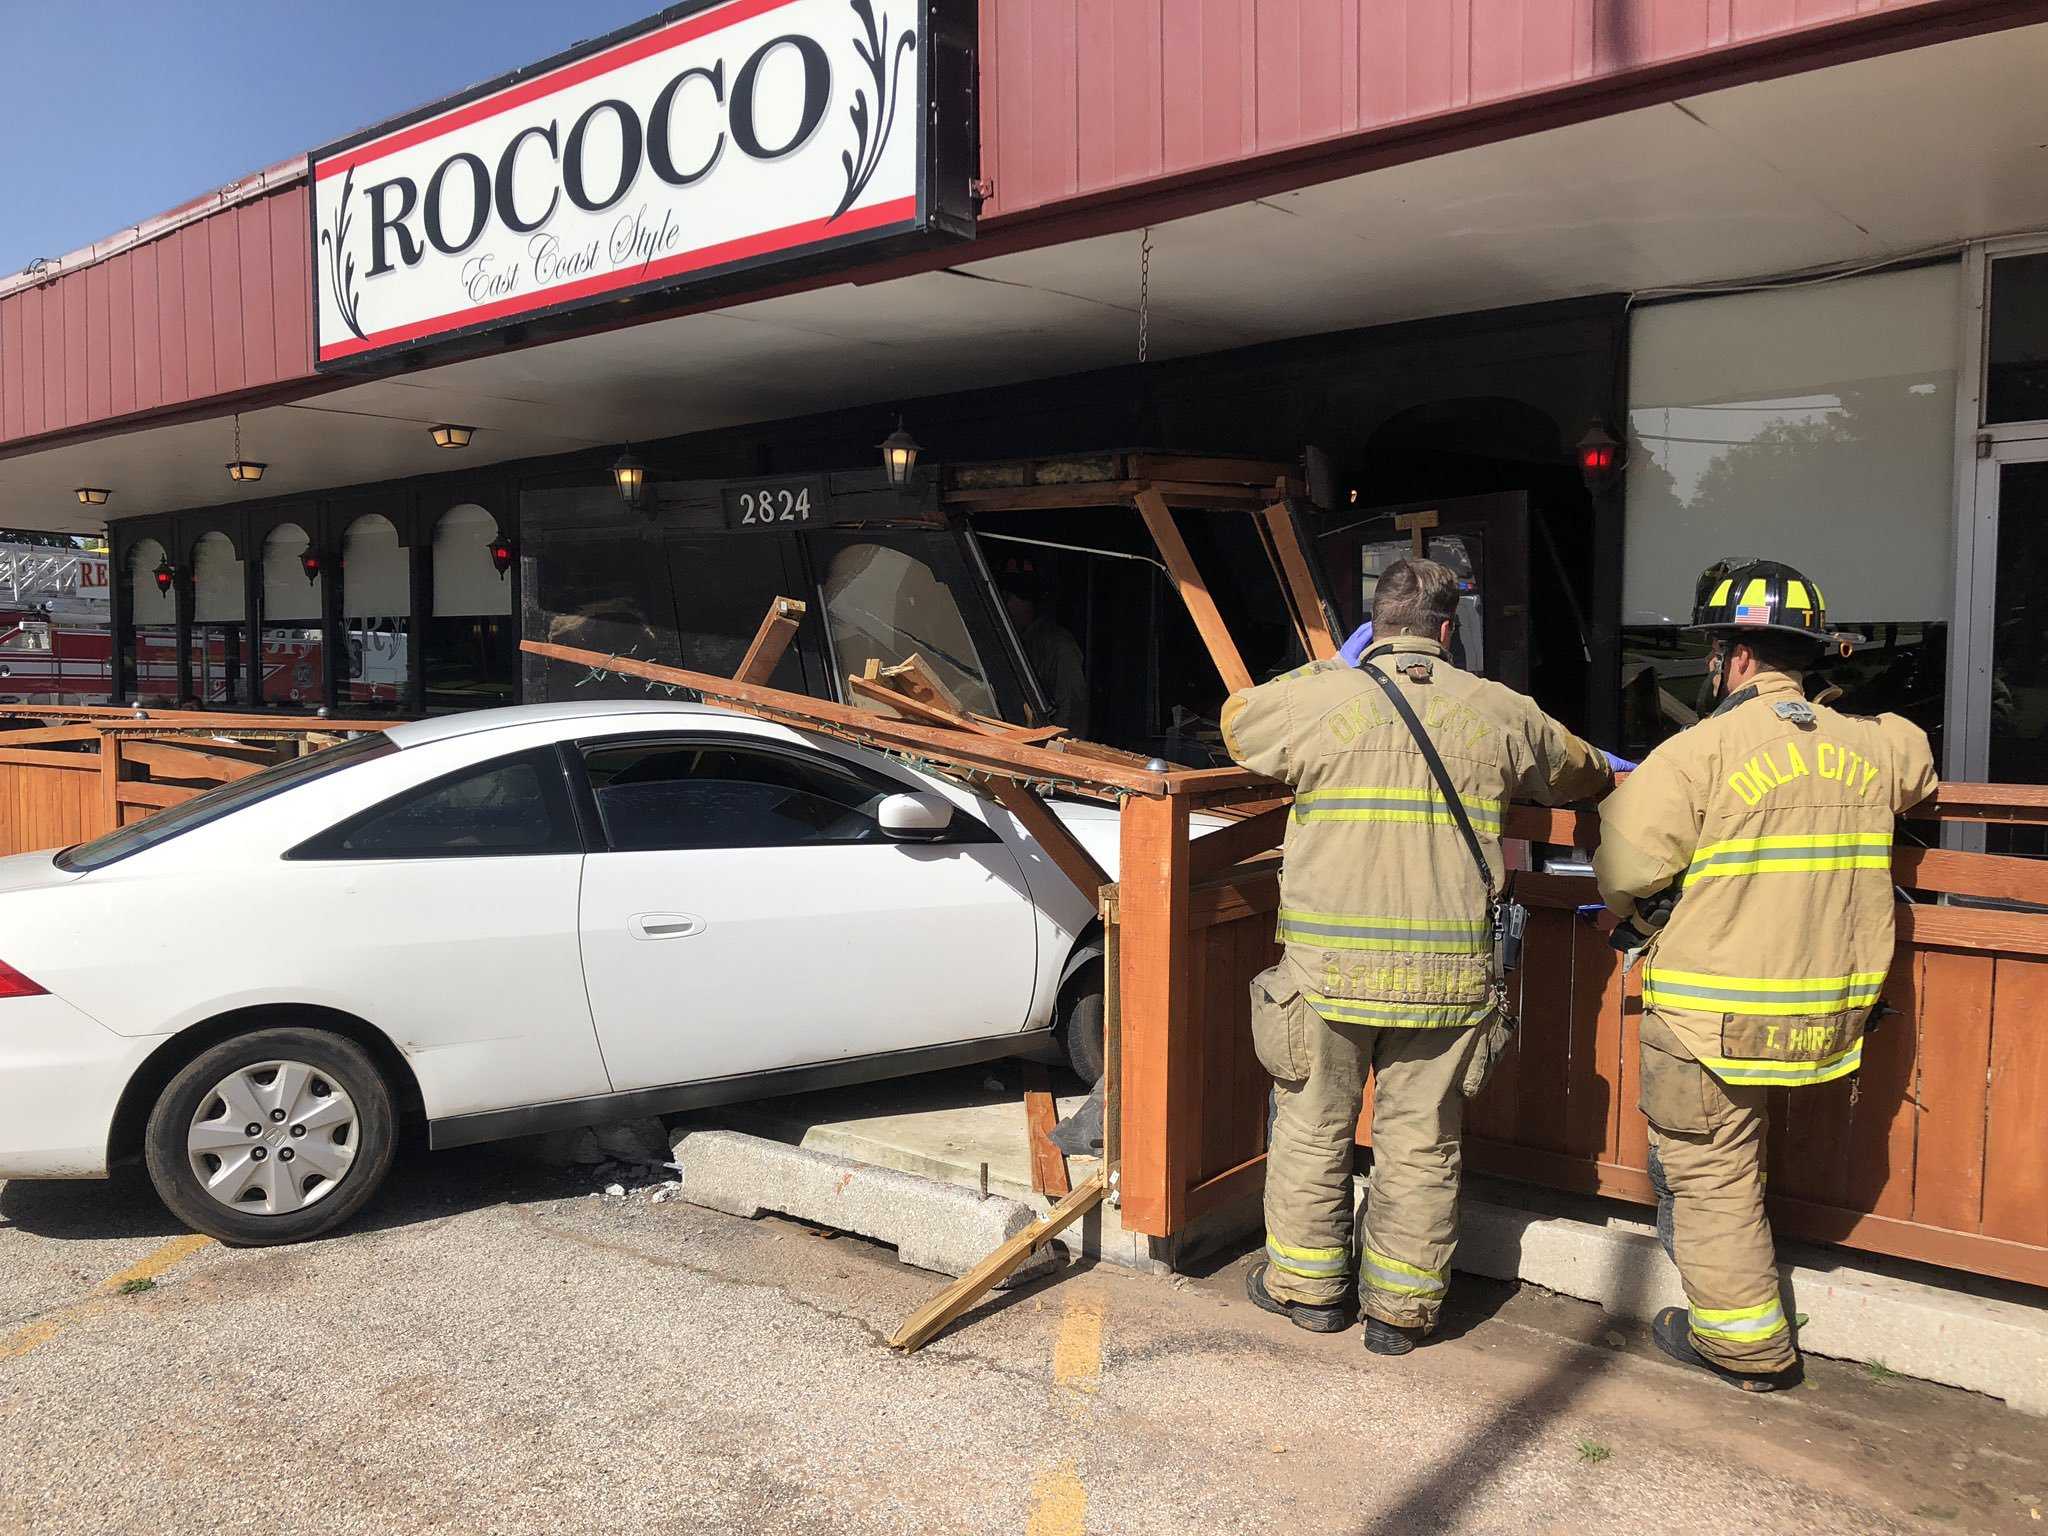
(1599, 458)
(630, 475)
(309, 562)
(899, 456)
(166, 573)
(501, 556)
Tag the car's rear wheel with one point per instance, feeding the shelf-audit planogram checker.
(272, 1137)
(1080, 1022)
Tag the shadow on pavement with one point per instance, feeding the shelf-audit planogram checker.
(423, 1186)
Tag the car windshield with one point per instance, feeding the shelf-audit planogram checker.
(216, 803)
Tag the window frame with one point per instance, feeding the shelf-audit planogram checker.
(569, 836)
(967, 828)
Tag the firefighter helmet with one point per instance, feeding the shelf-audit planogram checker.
(1764, 596)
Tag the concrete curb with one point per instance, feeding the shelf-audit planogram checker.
(1856, 1309)
(933, 1226)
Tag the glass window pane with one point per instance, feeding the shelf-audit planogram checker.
(599, 585)
(515, 805)
(882, 604)
(694, 795)
(2016, 371)
(1812, 425)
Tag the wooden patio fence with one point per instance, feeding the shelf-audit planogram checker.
(1936, 1151)
(70, 773)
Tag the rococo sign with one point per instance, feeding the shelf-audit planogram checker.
(713, 140)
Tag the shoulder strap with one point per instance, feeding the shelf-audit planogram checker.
(1437, 771)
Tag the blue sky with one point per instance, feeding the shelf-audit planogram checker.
(120, 109)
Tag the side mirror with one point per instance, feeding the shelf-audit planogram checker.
(915, 818)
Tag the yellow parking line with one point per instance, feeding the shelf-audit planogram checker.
(34, 1335)
(175, 1251)
(1059, 1504)
(1077, 1352)
(1059, 1499)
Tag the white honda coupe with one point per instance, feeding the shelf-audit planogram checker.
(507, 922)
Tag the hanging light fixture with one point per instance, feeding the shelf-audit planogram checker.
(92, 495)
(166, 573)
(309, 562)
(501, 556)
(448, 435)
(241, 470)
(899, 456)
(630, 475)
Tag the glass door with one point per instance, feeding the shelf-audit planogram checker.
(2008, 699)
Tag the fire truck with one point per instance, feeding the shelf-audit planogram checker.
(55, 647)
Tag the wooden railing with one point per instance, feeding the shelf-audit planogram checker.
(1936, 1151)
(69, 774)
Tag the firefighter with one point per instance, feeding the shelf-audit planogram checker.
(1387, 931)
(1749, 859)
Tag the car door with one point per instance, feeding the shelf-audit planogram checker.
(446, 914)
(743, 911)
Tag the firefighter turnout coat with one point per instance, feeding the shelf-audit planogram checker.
(1775, 815)
(1382, 916)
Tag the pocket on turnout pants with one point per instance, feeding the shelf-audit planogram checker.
(1675, 1094)
(1281, 1020)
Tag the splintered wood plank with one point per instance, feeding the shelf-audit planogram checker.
(1216, 851)
(914, 675)
(926, 1323)
(1955, 1003)
(1050, 833)
(1884, 1121)
(1048, 1163)
(2016, 1139)
(910, 708)
(1180, 564)
(1301, 582)
(771, 641)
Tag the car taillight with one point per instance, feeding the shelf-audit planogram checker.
(14, 984)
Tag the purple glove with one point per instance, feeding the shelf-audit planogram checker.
(1353, 650)
(1618, 764)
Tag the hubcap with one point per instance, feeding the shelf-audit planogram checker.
(272, 1138)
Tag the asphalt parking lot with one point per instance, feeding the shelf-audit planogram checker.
(494, 1348)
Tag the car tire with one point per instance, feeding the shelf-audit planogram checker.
(1080, 1026)
(295, 1127)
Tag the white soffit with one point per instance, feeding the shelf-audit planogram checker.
(1859, 162)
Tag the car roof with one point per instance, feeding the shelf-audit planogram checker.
(444, 727)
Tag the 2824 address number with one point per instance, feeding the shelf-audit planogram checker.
(789, 503)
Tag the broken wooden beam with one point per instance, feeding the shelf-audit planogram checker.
(1194, 592)
(955, 1300)
(1041, 1115)
(771, 641)
(1050, 833)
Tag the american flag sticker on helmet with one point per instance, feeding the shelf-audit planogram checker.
(1753, 613)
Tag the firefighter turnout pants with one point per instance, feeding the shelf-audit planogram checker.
(1411, 1218)
(1707, 1165)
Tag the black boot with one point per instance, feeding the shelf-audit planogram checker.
(1384, 1338)
(1672, 1329)
(1329, 1319)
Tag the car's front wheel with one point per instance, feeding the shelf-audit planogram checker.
(1080, 1022)
(272, 1137)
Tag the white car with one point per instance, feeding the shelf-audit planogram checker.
(508, 922)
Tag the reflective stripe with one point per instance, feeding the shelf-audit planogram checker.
(1760, 995)
(1311, 1263)
(1743, 1325)
(1398, 1279)
(1720, 593)
(1343, 930)
(1392, 802)
(1792, 854)
(1756, 1072)
(1351, 1010)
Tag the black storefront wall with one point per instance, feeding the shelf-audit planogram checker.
(1461, 405)
(309, 659)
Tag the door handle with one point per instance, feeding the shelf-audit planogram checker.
(663, 925)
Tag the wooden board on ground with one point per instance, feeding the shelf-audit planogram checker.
(1041, 1114)
(922, 1326)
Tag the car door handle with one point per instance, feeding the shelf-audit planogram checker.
(663, 925)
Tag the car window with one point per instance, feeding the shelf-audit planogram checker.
(513, 805)
(216, 803)
(680, 795)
